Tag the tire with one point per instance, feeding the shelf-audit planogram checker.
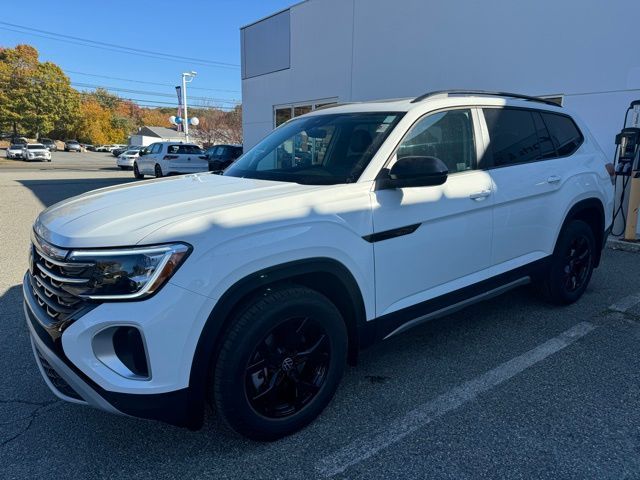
(292, 336)
(572, 264)
(158, 171)
(136, 172)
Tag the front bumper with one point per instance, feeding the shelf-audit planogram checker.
(68, 382)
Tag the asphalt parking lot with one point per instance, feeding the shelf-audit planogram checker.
(510, 388)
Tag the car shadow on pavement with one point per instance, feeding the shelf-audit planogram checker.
(56, 190)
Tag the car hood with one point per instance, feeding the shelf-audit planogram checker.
(124, 215)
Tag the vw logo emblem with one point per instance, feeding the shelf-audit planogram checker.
(287, 364)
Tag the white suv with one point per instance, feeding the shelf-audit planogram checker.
(168, 158)
(342, 227)
(36, 151)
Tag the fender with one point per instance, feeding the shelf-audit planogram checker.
(302, 271)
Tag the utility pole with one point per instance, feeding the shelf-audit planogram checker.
(190, 75)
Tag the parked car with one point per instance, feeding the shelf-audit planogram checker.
(127, 158)
(221, 156)
(15, 151)
(72, 146)
(18, 141)
(343, 227)
(119, 149)
(169, 158)
(102, 148)
(49, 144)
(36, 151)
(88, 147)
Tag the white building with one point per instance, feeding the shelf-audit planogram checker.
(148, 135)
(322, 51)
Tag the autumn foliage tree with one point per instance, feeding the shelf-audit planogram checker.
(37, 99)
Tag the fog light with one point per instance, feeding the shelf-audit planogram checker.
(123, 350)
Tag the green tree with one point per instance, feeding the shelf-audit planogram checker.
(35, 97)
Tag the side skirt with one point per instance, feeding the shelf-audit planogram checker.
(397, 322)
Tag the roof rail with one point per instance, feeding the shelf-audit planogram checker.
(483, 92)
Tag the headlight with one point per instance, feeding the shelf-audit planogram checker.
(126, 274)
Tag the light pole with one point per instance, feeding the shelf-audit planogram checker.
(185, 117)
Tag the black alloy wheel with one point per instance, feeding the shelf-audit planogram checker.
(158, 171)
(136, 172)
(280, 362)
(571, 265)
(578, 263)
(287, 368)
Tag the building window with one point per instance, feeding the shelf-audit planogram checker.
(284, 113)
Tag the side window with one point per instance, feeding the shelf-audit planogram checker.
(512, 136)
(156, 147)
(445, 135)
(564, 133)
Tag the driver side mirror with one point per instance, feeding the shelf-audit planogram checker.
(414, 172)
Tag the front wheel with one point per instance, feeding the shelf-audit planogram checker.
(136, 172)
(158, 171)
(572, 264)
(280, 363)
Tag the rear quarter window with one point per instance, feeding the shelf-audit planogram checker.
(564, 133)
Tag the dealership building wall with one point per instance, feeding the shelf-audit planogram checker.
(323, 51)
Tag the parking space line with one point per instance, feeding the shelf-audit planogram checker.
(424, 414)
(626, 303)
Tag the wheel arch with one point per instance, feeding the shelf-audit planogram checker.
(325, 275)
(590, 211)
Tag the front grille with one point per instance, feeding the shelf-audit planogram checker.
(52, 281)
(56, 380)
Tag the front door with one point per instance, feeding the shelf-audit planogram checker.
(429, 241)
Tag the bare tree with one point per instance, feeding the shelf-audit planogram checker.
(218, 126)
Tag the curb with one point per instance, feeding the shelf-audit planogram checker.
(617, 244)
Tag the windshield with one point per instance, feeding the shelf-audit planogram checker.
(35, 147)
(317, 150)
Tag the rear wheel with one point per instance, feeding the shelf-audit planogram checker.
(280, 363)
(572, 264)
(158, 171)
(136, 172)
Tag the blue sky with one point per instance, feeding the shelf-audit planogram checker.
(211, 32)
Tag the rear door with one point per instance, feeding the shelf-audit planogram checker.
(529, 171)
(147, 162)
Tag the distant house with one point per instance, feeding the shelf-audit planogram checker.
(148, 135)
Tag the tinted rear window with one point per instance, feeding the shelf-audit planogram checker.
(184, 149)
(564, 133)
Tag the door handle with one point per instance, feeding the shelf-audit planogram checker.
(481, 195)
(553, 179)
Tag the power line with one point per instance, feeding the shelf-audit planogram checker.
(161, 104)
(146, 92)
(147, 82)
(113, 47)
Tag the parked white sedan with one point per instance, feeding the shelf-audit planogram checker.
(36, 151)
(15, 150)
(126, 159)
(168, 158)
